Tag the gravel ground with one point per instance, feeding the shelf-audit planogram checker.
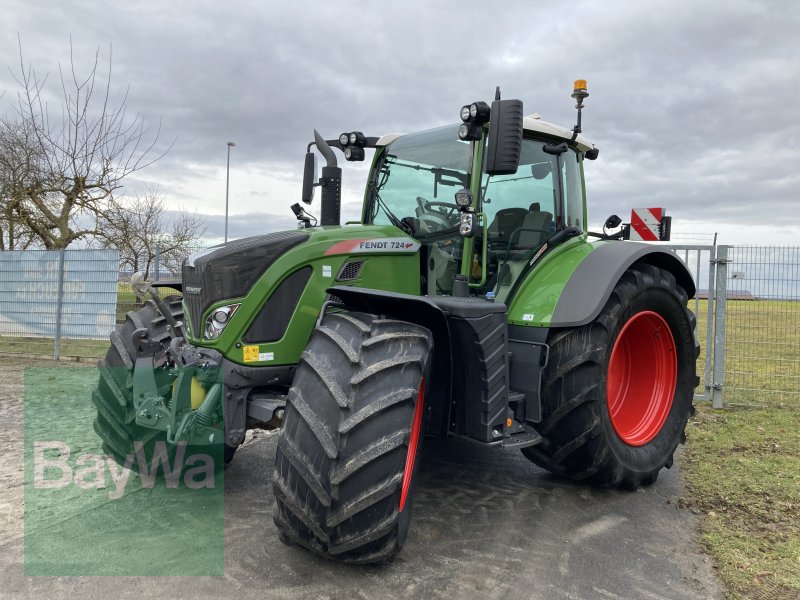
(487, 524)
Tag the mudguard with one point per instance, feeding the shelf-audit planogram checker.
(590, 285)
(420, 310)
(571, 283)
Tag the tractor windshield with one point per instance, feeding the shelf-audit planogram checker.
(415, 181)
(413, 188)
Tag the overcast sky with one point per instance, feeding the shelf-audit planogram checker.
(693, 104)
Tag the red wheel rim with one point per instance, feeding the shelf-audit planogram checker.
(413, 443)
(642, 375)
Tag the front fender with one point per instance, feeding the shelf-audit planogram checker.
(422, 311)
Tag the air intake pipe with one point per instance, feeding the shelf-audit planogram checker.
(331, 184)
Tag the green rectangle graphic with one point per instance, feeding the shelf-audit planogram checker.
(87, 514)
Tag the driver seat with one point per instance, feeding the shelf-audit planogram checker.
(503, 226)
(535, 229)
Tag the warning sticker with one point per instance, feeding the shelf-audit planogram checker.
(250, 353)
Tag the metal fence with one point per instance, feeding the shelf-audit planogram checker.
(701, 261)
(762, 327)
(54, 302)
(748, 314)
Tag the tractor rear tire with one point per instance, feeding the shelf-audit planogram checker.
(346, 457)
(617, 392)
(113, 397)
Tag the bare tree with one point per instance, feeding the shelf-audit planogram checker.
(81, 159)
(141, 226)
(19, 163)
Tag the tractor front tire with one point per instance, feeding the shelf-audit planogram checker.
(113, 397)
(617, 392)
(346, 456)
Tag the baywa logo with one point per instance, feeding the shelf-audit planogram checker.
(55, 466)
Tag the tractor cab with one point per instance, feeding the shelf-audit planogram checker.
(413, 185)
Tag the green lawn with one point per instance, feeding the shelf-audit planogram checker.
(742, 464)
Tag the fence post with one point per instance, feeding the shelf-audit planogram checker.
(721, 294)
(59, 303)
(157, 260)
(712, 263)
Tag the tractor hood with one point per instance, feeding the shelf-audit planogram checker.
(230, 270)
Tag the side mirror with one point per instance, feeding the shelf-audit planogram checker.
(309, 177)
(505, 137)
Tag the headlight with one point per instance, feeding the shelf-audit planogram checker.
(344, 138)
(218, 320)
(465, 113)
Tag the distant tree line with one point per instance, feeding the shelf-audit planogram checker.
(62, 171)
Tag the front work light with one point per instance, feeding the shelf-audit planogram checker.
(465, 113)
(357, 138)
(353, 153)
(469, 132)
(344, 138)
(479, 112)
(463, 198)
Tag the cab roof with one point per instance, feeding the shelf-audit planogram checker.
(531, 123)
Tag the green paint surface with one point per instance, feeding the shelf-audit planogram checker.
(536, 300)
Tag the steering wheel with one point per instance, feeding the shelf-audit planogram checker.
(442, 219)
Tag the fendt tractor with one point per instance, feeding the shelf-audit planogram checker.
(468, 301)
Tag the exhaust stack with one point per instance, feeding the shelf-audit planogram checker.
(331, 184)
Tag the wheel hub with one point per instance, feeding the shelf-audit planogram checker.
(642, 376)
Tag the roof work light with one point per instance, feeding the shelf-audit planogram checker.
(473, 116)
(353, 145)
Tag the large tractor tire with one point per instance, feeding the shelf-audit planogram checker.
(346, 457)
(113, 396)
(617, 392)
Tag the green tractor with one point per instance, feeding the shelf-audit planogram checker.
(468, 301)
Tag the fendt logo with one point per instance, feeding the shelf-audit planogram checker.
(398, 244)
(385, 245)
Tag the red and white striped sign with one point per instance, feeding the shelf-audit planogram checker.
(645, 224)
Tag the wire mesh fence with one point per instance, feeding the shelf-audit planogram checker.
(762, 332)
(57, 302)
